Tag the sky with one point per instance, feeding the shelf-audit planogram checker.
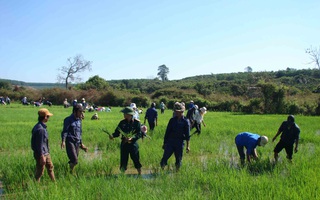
(131, 39)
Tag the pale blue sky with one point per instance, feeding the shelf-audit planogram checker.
(130, 39)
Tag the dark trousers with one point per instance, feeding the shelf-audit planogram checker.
(127, 149)
(152, 124)
(72, 151)
(283, 145)
(173, 147)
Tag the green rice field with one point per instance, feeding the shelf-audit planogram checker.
(211, 169)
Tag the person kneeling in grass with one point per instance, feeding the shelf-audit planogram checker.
(250, 141)
(40, 145)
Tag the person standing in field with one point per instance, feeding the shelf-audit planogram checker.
(290, 135)
(130, 130)
(178, 131)
(249, 141)
(198, 119)
(162, 107)
(40, 145)
(151, 116)
(71, 135)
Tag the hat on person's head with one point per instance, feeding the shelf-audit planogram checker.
(178, 107)
(44, 112)
(83, 99)
(128, 110)
(153, 104)
(196, 107)
(191, 101)
(77, 107)
(133, 105)
(263, 140)
(203, 110)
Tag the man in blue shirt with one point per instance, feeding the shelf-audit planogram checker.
(152, 116)
(71, 135)
(40, 145)
(250, 141)
(177, 131)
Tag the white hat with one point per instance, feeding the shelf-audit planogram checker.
(133, 105)
(196, 107)
(203, 110)
(263, 140)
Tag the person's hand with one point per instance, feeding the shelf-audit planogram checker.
(111, 137)
(296, 150)
(42, 160)
(83, 147)
(63, 144)
(188, 149)
(129, 140)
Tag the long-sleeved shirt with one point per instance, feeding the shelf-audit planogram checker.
(72, 129)
(151, 115)
(132, 128)
(178, 129)
(40, 140)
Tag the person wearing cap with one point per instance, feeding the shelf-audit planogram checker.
(190, 115)
(151, 116)
(71, 135)
(250, 141)
(198, 119)
(129, 129)
(290, 135)
(40, 145)
(178, 131)
(135, 110)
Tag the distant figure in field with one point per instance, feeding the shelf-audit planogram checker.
(198, 119)
(151, 116)
(66, 104)
(290, 135)
(95, 116)
(135, 110)
(40, 145)
(162, 107)
(178, 131)
(249, 141)
(8, 101)
(71, 135)
(24, 101)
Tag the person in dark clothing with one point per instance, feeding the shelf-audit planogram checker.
(40, 145)
(191, 114)
(130, 131)
(71, 135)
(178, 130)
(151, 116)
(290, 135)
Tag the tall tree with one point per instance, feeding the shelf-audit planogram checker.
(248, 69)
(163, 72)
(74, 66)
(314, 54)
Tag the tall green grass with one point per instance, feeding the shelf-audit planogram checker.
(210, 171)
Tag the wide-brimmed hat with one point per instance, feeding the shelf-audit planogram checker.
(263, 140)
(127, 110)
(133, 105)
(178, 107)
(44, 112)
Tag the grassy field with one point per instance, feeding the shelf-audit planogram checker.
(210, 171)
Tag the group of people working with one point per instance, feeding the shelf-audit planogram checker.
(177, 136)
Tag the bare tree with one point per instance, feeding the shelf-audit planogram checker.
(74, 66)
(163, 72)
(314, 54)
